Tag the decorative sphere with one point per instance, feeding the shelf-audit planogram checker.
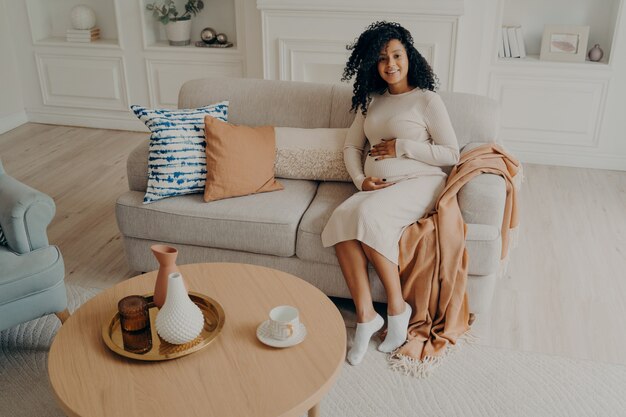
(82, 17)
(221, 38)
(208, 35)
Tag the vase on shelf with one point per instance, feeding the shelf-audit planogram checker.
(595, 54)
(166, 257)
(178, 32)
(179, 321)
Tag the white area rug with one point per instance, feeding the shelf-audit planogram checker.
(475, 381)
(24, 387)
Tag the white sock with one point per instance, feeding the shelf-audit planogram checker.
(362, 336)
(396, 330)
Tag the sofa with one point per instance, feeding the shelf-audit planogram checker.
(282, 229)
(31, 270)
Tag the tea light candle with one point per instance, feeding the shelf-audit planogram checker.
(133, 313)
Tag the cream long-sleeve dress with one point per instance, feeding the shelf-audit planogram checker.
(425, 142)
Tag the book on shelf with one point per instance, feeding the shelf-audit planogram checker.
(70, 38)
(505, 41)
(84, 32)
(520, 41)
(81, 40)
(512, 43)
(501, 45)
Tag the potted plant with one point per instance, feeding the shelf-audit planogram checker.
(177, 27)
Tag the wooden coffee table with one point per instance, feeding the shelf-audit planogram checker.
(236, 375)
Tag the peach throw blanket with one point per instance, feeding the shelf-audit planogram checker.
(433, 264)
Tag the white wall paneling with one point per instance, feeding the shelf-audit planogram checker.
(166, 77)
(92, 84)
(83, 81)
(304, 39)
(321, 61)
(423, 7)
(306, 42)
(12, 112)
(308, 60)
(544, 110)
(560, 113)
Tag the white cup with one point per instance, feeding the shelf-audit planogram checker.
(284, 321)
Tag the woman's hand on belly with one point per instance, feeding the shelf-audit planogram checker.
(383, 150)
(373, 183)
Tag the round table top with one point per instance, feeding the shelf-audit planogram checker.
(235, 375)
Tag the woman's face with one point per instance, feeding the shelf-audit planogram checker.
(393, 66)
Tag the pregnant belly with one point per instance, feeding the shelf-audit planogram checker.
(398, 168)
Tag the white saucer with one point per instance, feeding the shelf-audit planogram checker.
(263, 334)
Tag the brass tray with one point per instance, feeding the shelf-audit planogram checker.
(162, 350)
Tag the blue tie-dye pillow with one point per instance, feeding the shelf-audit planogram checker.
(177, 159)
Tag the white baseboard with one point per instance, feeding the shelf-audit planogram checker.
(100, 120)
(12, 121)
(591, 160)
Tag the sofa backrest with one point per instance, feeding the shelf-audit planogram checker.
(255, 102)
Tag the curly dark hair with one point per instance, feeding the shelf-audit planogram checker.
(363, 63)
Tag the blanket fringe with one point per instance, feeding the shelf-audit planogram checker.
(414, 367)
(417, 368)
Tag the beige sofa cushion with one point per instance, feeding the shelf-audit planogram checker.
(483, 241)
(261, 223)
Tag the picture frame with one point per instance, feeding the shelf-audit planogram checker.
(566, 43)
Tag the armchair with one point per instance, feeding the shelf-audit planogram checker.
(31, 271)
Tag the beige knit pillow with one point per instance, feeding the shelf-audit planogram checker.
(310, 154)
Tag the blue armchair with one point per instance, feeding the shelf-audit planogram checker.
(31, 270)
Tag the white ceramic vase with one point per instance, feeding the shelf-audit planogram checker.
(179, 320)
(178, 32)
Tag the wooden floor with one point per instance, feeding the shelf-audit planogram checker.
(564, 294)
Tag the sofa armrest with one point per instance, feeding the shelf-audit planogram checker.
(483, 198)
(137, 167)
(25, 214)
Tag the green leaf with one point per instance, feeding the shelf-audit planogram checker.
(150, 6)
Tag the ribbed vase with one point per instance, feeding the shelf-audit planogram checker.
(179, 320)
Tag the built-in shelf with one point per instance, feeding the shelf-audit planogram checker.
(533, 61)
(60, 41)
(49, 21)
(164, 46)
(219, 15)
(533, 15)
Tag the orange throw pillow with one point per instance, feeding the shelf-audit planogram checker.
(239, 160)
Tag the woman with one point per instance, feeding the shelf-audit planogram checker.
(411, 138)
